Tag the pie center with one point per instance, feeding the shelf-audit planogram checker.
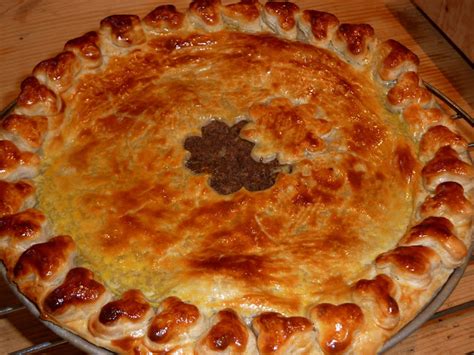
(115, 175)
(221, 153)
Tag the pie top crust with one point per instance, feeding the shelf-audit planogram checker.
(232, 179)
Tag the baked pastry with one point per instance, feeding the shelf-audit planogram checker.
(233, 179)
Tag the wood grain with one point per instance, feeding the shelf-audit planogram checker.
(463, 292)
(33, 30)
(454, 18)
(452, 334)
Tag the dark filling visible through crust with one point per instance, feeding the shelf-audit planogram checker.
(221, 153)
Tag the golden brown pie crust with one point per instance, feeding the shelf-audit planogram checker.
(122, 141)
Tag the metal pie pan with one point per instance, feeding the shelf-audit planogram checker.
(426, 313)
(72, 338)
(431, 307)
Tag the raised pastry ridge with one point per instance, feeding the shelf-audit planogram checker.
(355, 41)
(57, 73)
(25, 132)
(15, 196)
(36, 99)
(72, 297)
(164, 18)
(244, 15)
(176, 325)
(41, 266)
(414, 265)
(18, 231)
(449, 201)
(319, 27)
(337, 325)
(87, 49)
(284, 335)
(15, 164)
(395, 59)
(120, 318)
(123, 30)
(227, 334)
(281, 18)
(447, 165)
(378, 296)
(437, 233)
(75, 299)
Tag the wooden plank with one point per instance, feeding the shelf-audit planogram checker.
(21, 329)
(64, 349)
(464, 291)
(452, 334)
(7, 298)
(454, 18)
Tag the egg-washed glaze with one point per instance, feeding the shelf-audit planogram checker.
(342, 233)
(114, 177)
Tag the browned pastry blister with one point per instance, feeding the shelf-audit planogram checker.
(163, 19)
(355, 41)
(123, 30)
(42, 265)
(21, 226)
(408, 90)
(447, 165)
(244, 15)
(206, 14)
(177, 325)
(378, 295)
(36, 99)
(15, 196)
(277, 334)
(314, 91)
(407, 163)
(337, 325)
(395, 59)
(438, 234)
(440, 136)
(318, 26)
(87, 49)
(449, 201)
(18, 231)
(76, 298)
(228, 334)
(122, 321)
(58, 73)
(15, 164)
(27, 132)
(281, 18)
(413, 265)
(420, 119)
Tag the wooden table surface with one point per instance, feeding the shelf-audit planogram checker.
(32, 30)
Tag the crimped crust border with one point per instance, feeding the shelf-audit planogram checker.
(403, 280)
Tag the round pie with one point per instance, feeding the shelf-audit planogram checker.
(239, 179)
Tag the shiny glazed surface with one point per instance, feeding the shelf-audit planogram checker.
(114, 176)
